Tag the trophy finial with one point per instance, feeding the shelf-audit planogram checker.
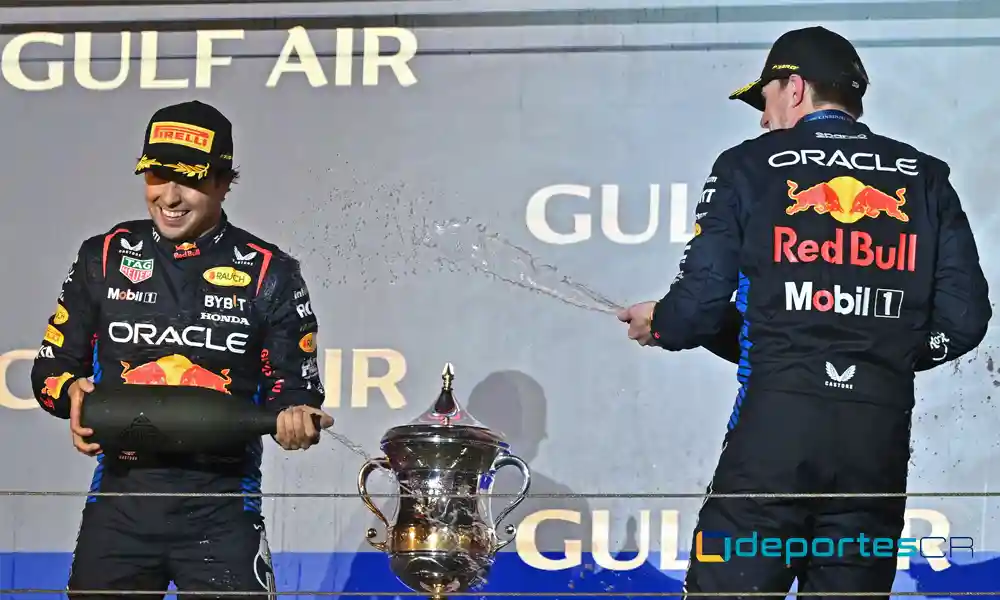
(448, 375)
(447, 410)
(446, 403)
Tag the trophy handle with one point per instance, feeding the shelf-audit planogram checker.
(370, 466)
(501, 462)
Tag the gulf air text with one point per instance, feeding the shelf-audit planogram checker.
(138, 54)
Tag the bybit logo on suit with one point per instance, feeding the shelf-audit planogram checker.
(565, 213)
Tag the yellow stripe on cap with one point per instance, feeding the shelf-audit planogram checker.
(744, 89)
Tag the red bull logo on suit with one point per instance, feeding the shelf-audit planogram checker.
(860, 250)
(175, 370)
(53, 388)
(847, 200)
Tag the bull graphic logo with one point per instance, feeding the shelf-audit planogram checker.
(847, 200)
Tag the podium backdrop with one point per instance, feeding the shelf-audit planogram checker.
(580, 130)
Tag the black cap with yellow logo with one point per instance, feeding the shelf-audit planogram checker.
(188, 139)
(814, 53)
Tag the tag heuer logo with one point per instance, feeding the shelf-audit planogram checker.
(136, 270)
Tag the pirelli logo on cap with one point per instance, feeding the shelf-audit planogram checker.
(182, 134)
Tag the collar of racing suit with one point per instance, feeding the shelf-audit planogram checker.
(827, 114)
(190, 249)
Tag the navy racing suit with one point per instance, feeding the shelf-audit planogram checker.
(229, 312)
(853, 266)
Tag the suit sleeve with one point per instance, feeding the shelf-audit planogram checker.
(693, 311)
(960, 310)
(67, 350)
(726, 342)
(289, 357)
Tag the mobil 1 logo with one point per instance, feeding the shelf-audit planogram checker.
(857, 301)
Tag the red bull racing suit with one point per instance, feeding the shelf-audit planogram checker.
(853, 266)
(228, 312)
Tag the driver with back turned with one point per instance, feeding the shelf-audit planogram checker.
(853, 266)
(184, 299)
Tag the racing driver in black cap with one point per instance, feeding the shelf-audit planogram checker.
(186, 299)
(853, 266)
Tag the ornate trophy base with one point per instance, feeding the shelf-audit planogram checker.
(439, 573)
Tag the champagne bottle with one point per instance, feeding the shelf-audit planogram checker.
(173, 419)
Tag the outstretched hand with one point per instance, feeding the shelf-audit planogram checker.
(640, 320)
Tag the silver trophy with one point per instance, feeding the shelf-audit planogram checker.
(442, 538)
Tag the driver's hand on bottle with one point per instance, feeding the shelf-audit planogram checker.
(77, 392)
(296, 430)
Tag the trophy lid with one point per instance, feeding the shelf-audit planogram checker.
(446, 418)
